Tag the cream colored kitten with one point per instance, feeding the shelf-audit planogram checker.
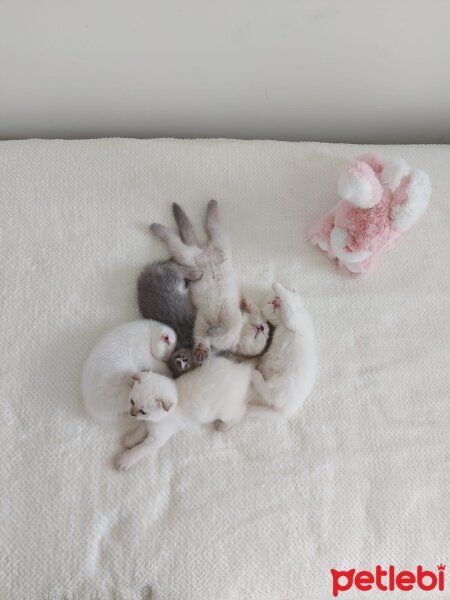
(217, 392)
(216, 296)
(287, 372)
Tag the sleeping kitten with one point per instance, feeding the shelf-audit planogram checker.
(163, 295)
(162, 288)
(215, 393)
(287, 372)
(219, 320)
(111, 367)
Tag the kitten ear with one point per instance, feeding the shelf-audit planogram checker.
(248, 306)
(130, 380)
(166, 338)
(165, 404)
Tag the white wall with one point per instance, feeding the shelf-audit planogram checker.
(348, 70)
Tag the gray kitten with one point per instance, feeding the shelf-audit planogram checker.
(163, 296)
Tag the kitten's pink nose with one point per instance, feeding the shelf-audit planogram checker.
(276, 303)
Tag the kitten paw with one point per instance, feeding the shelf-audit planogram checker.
(125, 462)
(200, 354)
(219, 425)
(195, 274)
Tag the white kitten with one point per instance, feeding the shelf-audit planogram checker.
(215, 393)
(109, 371)
(216, 295)
(287, 372)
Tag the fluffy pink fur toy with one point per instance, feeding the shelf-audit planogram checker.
(379, 201)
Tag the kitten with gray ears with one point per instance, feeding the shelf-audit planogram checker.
(164, 294)
(222, 320)
(215, 393)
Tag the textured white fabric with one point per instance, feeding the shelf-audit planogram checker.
(361, 476)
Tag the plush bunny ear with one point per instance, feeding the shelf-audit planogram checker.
(373, 160)
(395, 170)
(248, 306)
(359, 185)
(417, 192)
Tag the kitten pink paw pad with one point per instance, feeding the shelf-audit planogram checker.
(200, 354)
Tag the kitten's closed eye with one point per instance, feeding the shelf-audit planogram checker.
(142, 412)
(132, 401)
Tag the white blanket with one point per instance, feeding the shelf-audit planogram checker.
(361, 476)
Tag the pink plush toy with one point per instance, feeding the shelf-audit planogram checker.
(379, 201)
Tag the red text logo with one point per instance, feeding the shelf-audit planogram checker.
(388, 579)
